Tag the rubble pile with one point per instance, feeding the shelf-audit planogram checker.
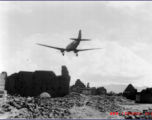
(104, 104)
(75, 99)
(60, 107)
(136, 114)
(122, 100)
(42, 108)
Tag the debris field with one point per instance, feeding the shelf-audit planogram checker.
(62, 107)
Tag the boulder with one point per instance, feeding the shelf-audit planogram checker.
(45, 95)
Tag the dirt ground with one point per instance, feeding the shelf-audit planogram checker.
(86, 112)
(137, 107)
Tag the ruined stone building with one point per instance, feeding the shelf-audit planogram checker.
(78, 84)
(145, 96)
(130, 92)
(88, 91)
(101, 91)
(88, 85)
(35, 83)
(80, 87)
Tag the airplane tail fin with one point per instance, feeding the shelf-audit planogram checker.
(79, 37)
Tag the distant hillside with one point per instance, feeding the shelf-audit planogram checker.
(141, 88)
(117, 88)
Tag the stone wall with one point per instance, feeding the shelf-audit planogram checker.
(145, 96)
(64, 81)
(86, 91)
(10, 85)
(93, 91)
(101, 91)
(35, 83)
(3, 92)
(3, 76)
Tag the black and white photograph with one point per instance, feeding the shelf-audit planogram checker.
(75, 60)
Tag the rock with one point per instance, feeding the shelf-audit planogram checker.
(45, 95)
(29, 99)
(15, 104)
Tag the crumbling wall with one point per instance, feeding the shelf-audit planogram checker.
(10, 84)
(3, 93)
(78, 84)
(93, 91)
(145, 96)
(101, 91)
(35, 83)
(64, 81)
(3, 76)
(86, 91)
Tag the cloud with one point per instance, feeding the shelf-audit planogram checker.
(112, 64)
(21, 61)
(139, 46)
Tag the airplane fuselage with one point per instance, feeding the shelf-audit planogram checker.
(72, 46)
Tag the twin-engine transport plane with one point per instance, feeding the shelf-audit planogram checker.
(72, 46)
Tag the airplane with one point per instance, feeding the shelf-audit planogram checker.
(72, 46)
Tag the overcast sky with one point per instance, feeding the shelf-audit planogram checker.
(122, 29)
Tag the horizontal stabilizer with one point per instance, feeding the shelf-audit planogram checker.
(80, 39)
(74, 39)
(85, 39)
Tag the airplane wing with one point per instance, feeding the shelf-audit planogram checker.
(79, 50)
(62, 49)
